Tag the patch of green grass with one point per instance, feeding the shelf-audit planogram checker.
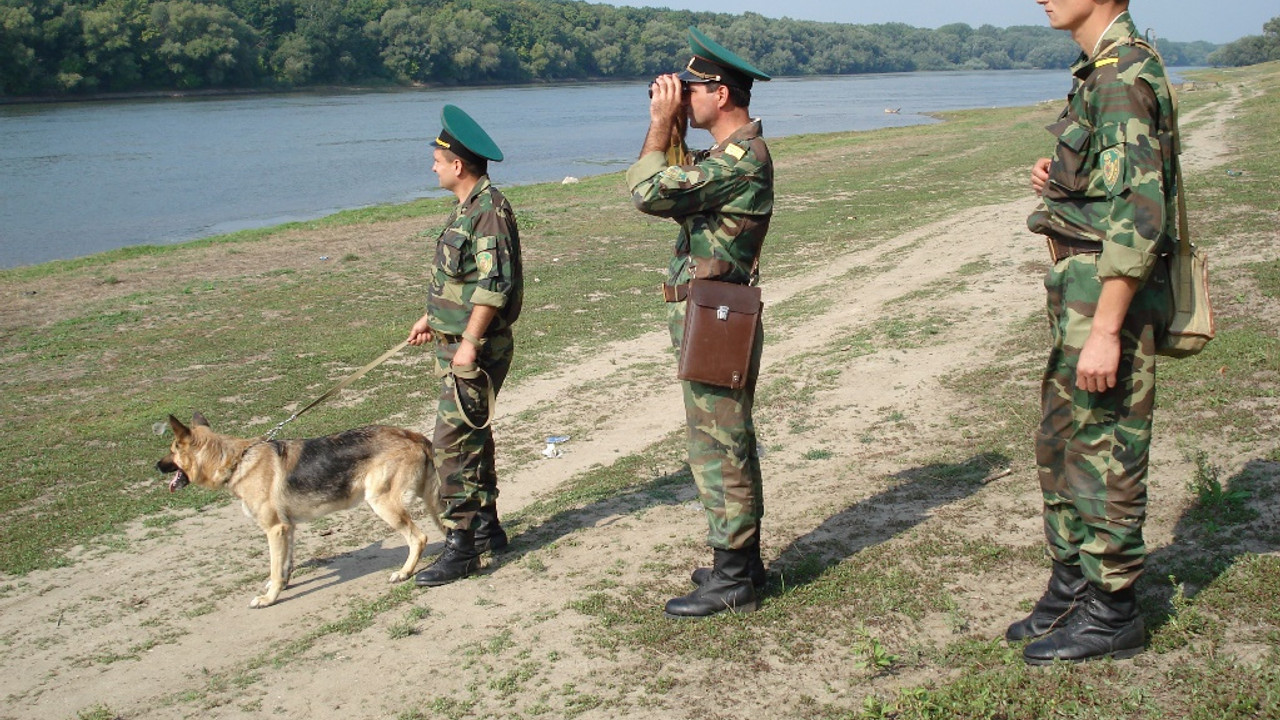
(362, 612)
(906, 330)
(1237, 368)
(402, 630)
(161, 521)
(1267, 276)
(1245, 594)
(1012, 690)
(871, 654)
(98, 712)
(1216, 505)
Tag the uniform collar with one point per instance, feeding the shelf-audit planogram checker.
(1120, 29)
(481, 185)
(750, 131)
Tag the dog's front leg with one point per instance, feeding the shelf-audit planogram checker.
(279, 541)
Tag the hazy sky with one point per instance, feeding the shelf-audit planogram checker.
(1218, 22)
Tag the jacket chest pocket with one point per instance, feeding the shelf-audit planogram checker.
(1070, 167)
(453, 253)
(1088, 161)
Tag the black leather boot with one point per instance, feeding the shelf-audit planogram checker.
(489, 534)
(1065, 593)
(755, 567)
(728, 588)
(1106, 625)
(458, 560)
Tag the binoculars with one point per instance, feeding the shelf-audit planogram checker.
(684, 89)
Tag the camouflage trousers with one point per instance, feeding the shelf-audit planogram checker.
(722, 450)
(464, 455)
(1092, 448)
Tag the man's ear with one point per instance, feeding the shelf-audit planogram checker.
(722, 96)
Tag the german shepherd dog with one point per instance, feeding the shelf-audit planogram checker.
(283, 482)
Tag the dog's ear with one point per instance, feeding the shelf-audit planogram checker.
(180, 431)
(198, 419)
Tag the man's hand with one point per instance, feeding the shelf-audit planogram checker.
(420, 332)
(666, 99)
(1040, 175)
(1099, 361)
(666, 105)
(465, 354)
(1100, 357)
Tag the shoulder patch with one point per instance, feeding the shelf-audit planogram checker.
(1112, 167)
(735, 151)
(485, 263)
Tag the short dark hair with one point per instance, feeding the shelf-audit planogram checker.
(475, 166)
(740, 97)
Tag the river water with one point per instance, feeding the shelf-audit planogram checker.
(81, 178)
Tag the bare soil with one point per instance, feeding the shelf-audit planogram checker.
(161, 627)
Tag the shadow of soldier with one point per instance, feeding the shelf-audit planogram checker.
(881, 517)
(869, 522)
(594, 505)
(1225, 523)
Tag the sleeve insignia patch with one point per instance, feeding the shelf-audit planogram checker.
(485, 262)
(1112, 162)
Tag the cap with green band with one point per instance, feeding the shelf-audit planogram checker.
(712, 62)
(464, 137)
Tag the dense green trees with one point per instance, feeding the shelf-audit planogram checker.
(1251, 50)
(68, 47)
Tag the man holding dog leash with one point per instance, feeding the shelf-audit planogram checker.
(723, 201)
(475, 294)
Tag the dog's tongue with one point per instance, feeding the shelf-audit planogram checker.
(178, 482)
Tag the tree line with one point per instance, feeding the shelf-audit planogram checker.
(1252, 49)
(80, 47)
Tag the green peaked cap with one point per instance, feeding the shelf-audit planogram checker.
(712, 62)
(464, 137)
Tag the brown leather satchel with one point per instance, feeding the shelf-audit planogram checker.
(719, 333)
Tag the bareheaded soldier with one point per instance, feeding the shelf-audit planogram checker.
(1109, 211)
(475, 295)
(722, 199)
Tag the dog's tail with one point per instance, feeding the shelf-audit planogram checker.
(427, 486)
(431, 493)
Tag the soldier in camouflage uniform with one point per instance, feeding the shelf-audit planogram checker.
(723, 200)
(1109, 211)
(475, 295)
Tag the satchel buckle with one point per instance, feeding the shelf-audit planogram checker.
(722, 312)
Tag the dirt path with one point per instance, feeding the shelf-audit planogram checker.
(162, 628)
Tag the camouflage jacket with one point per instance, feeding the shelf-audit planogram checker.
(723, 202)
(477, 262)
(1114, 173)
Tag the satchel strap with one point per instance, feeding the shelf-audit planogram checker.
(1185, 246)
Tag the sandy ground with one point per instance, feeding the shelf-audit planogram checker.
(162, 628)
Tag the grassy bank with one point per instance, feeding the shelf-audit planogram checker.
(101, 349)
(249, 327)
